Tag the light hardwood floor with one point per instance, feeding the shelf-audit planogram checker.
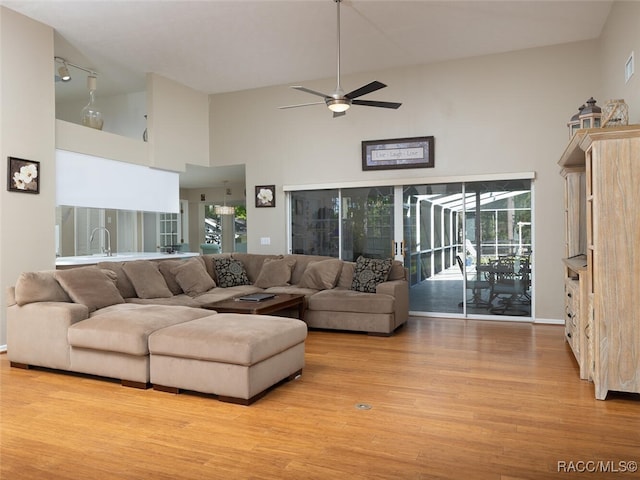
(451, 399)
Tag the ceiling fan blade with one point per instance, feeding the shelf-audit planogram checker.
(312, 92)
(339, 114)
(302, 105)
(374, 103)
(371, 87)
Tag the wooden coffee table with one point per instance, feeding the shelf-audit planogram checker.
(282, 301)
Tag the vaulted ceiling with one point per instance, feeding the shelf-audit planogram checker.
(220, 46)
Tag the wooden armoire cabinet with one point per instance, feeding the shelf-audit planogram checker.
(601, 168)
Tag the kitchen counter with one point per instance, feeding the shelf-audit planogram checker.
(69, 262)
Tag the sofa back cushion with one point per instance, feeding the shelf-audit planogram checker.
(398, 271)
(321, 275)
(252, 263)
(90, 286)
(210, 264)
(192, 277)
(301, 265)
(39, 287)
(166, 269)
(125, 287)
(275, 272)
(147, 279)
(346, 276)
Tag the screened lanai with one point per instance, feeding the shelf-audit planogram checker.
(466, 246)
(481, 230)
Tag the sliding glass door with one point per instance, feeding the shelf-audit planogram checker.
(467, 246)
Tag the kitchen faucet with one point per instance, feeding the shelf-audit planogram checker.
(93, 232)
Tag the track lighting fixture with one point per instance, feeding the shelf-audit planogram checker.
(63, 70)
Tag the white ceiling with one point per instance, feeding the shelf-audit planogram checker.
(219, 46)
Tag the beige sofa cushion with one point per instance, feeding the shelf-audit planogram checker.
(252, 263)
(90, 286)
(42, 286)
(397, 271)
(123, 283)
(302, 261)
(343, 300)
(192, 277)
(229, 338)
(275, 272)
(127, 329)
(147, 279)
(166, 269)
(321, 275)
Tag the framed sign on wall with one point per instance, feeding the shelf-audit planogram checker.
(415, 152)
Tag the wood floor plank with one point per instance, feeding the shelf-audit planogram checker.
(450, 399)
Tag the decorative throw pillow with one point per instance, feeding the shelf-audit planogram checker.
(90, 286)
(147, 279)
(230, 272)
(321, 275)
(125, 287)
(193, 278)
(369, 272)
(275, 272)
(34, 287)
(166, 269)
(397, 271)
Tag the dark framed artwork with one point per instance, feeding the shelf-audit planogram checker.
(415, 152)
(23, 175)
(265, 196)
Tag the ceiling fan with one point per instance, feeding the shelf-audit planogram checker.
(339, 102)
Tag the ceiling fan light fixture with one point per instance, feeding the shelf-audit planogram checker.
(338, 105)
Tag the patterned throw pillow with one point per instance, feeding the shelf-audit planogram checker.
(369, 272)
(230, 272)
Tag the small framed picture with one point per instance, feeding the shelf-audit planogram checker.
(265, 196)
(23, 175)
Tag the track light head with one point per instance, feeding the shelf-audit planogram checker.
(63, 72)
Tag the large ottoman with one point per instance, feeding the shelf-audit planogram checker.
(234, 356)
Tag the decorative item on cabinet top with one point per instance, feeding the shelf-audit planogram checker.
(590, 116)
(615, 113)
(574, 122)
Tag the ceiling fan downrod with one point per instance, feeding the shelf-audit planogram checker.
(339, 92)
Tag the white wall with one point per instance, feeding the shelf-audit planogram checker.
(178, 123)
(493, 114)
(620, 37)
(27, 221)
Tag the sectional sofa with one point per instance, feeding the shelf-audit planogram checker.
(141, 321)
